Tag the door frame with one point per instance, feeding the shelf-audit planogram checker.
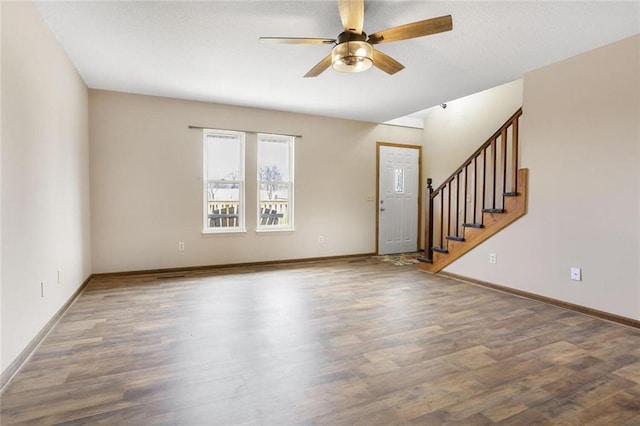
(419, 227)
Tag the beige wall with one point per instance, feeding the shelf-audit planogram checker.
(451, 135)
(580, 139)
(146, 183)
(45, 188)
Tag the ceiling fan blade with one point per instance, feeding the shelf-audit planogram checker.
(413, 30)
(319, 67)
(352, 15)
(386, 63)
(296, 40)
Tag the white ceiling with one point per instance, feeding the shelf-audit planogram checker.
(209, 51)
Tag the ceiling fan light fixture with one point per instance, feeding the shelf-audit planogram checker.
(352, 56)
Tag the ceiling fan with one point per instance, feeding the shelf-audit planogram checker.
(354, 51)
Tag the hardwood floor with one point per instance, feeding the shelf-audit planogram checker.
(340, 342)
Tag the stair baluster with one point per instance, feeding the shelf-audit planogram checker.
(475, 188)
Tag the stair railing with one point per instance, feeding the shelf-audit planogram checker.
(473, 189)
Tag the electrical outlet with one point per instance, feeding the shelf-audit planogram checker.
(320, 239)
(493, 258)
(180, 246)
(576, 274)
(468, 198)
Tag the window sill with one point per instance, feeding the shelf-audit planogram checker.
(210, 233)
(271, 231)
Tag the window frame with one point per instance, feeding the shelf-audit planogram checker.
(289, 226)
(241, 208)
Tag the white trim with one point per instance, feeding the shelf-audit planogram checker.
(227, 231)
(272, 230)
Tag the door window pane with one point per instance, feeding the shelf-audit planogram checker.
(399, 181)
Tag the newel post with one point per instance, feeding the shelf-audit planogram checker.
(428, 252)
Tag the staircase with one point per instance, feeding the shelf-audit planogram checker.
(484, 195)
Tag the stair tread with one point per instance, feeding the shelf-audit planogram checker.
(455, 238)
(440, 249)
(493, 210)
(473, 225)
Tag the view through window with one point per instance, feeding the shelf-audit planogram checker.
(275, 182)
(224, 181)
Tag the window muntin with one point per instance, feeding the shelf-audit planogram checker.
(275, 182)
(224, 183)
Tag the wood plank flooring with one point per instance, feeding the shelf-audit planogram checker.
(342, 342)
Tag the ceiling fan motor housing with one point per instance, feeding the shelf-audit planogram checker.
(351, 36)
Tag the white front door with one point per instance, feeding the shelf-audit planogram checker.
(398, 199)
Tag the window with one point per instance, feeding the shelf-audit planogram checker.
(275, 182)
(223, 176)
